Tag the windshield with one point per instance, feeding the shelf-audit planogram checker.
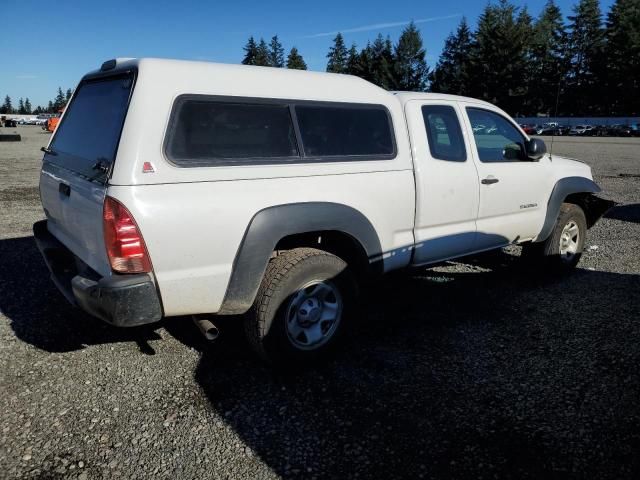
(87, 139)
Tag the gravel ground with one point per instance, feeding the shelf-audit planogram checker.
(475, 368)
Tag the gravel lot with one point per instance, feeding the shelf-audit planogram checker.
(472, 369)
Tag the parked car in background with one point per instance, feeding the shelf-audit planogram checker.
(529, 129)
(553, 130)
(582, 130)
(599, 131)
(8, 122)
(278, 193)
(619, 131)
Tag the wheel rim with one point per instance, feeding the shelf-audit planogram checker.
(313, 314)
(569, 241)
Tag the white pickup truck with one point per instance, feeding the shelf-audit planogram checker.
(176, 188)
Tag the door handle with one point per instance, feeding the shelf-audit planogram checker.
(489, 180)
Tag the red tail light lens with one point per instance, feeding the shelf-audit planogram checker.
(125, 245)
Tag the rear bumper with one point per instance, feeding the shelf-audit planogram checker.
(121, 300)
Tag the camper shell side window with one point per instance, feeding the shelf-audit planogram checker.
(216, 131)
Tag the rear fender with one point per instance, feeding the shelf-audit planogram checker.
(270, 225)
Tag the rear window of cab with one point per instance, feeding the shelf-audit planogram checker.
(205, 131)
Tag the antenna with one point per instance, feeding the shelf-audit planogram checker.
(555, 116)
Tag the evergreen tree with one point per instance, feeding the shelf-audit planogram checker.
(7, 107)
(262, 54)
(21, 109)
(586, 50)
(382, 62)
(38, 110)
(337, 56)
(500, 56)
(276, 53)
(67, 95)
(295, 60)
(623, 57)
(59, 102)
(453, 72)
(250, 52)
(410, 68)
(27, 106)
(364, 64)
(50, 108)
(353, 59)
(547, 65)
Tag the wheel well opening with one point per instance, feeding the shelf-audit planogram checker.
(592, 206)
(338, 243)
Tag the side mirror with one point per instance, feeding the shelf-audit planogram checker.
(536, 149)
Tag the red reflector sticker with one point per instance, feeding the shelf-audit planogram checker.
(147, 167)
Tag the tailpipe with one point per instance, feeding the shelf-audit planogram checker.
(207, 328)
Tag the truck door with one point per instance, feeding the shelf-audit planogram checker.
(446, 181)
(513, 189)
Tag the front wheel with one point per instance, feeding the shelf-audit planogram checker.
(563, 249)
(301, 308)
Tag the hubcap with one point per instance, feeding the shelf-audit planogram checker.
(569, 240)
(313, 314)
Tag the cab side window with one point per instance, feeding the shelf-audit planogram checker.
(496, 138)
(444, 133)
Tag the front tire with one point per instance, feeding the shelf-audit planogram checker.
(301, 308)
(561, 252)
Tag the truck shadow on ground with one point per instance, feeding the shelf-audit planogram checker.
(474, 368)
(626, 213)
(41, 316)
(492, 370)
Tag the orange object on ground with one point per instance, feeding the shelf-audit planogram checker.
(52, 123)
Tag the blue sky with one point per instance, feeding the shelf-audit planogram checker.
(49, 44)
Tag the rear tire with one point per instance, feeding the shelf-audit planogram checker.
(302, 307)
(561, 252)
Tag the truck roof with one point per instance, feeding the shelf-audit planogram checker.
(251, 81)
(247, 80)
(404, 97)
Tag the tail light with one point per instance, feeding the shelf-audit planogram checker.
(125, 245)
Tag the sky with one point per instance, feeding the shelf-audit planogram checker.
(49, 44)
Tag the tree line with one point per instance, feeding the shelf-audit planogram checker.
(401, 66)
(588, 65)
(24, 106)
(271, 54)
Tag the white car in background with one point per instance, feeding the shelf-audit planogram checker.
(581, 130)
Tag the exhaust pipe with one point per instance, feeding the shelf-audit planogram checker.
(207, 328)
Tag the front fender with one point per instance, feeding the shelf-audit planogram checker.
(595, 207)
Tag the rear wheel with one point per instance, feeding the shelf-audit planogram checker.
(563, 249)
(302, 306)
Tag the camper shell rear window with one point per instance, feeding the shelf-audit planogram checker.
(216, 131)
(86, 140)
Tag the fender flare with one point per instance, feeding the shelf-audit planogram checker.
(562, 189)
(270, 225)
